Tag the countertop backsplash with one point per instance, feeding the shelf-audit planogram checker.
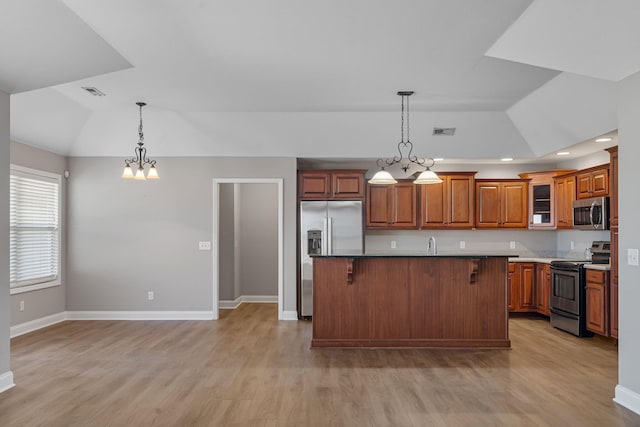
(527, 243)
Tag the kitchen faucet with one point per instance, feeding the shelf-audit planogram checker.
(432, 249)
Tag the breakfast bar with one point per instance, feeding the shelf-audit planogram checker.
(410, 300)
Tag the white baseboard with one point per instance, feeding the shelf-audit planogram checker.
(289, 315)
(627, 398)
(139, 315)
(6, 381)
(233, 304)
(33, 325)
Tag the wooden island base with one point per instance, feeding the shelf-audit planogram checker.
(409, 302)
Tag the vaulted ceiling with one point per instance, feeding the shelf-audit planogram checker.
(309, 79)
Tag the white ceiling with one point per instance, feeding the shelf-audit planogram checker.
(306, 79)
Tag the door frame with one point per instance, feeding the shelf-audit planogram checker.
(215, 247)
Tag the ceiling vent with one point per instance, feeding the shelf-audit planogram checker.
(444, 131)
(93, 91)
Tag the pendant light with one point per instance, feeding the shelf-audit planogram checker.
(426, 177)
(141, 159)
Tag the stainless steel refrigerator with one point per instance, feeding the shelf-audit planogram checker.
(326, 228)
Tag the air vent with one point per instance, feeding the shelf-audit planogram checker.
(444, 131)
(93, 91)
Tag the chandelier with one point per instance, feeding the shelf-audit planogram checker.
(426, 177)
(141, 159)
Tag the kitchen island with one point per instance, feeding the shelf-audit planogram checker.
(410, 300)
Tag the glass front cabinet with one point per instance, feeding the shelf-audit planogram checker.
(542, 198)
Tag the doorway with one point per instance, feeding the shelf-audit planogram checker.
(221, 254)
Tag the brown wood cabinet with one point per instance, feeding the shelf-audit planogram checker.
(526, 301)
(593, 182)
(542, 198)
(613, 185)
(439, 301)
(543, 288)
(565, 195)
(521, 287)
(392, 206)
(613, 276)
(331, 185)
(501, 203)
(513, 281)
(597, 303)
(449, 204)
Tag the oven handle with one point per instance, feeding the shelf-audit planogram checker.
(560, 268)
(563, 313)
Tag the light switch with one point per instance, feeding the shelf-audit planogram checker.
(204, 246)
(632, 256)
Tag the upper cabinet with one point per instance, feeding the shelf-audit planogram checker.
(593, 182)
(331, 185)
(614, 277)
(542, 198)
(392, 206)
(502, 203)
(565, 195)
(613, 189)
(449, 204)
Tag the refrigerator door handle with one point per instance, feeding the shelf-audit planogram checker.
(330, 236)
(324, 237)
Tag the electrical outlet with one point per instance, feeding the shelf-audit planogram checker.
(393, 244)
(463, 244)
(150, 295)
(632, 256)
(573, 245)
(512, 244)
(204, 246)
(21, 305)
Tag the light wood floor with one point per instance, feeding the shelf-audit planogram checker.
(249, 369)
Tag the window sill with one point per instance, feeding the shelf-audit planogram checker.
(36, 287)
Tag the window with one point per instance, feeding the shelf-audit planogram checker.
(34, 229)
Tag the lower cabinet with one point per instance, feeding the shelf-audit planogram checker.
(528, 287)
(521, 287)
(512, 286)
(543, 288)
(597, 301)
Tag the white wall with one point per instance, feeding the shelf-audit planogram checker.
(227, 244)
(258, 239)
(6, 377)
(248, 240)
(629, 206)
(127, 237)
(43, 302)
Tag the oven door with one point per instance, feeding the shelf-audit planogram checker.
(565, 290)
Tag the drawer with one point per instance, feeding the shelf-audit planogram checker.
(596, 276)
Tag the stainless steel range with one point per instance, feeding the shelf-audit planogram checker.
(568, 290)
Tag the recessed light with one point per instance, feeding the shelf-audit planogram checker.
(563, 153)
(603, 139)
(506, 159)
(438, 159)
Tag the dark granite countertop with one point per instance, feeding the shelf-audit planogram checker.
(418, 255)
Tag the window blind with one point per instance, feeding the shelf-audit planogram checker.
(34, 228)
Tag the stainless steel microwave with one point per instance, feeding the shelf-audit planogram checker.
(591, 214)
